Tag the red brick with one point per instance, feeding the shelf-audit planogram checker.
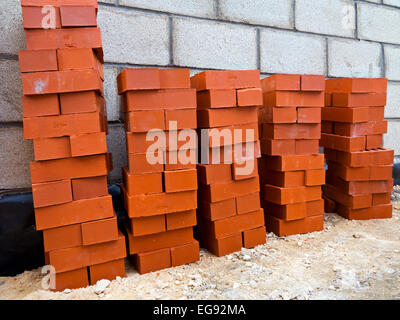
(74, 279)
(374, 142)
(81, 102)
(142, 183)
(288, 212)
(38, 106)
(180, 220)
(138, 79)
(153, 261)
(226, 117)
(32, 17)
(312, 83)
(147, 225)
(376, 113)
(185, 254)
(88, 144)
(108, 270)
(341, 143)
(51, 193)
(275, 147)
(314, 177)
(281, 82)
(69, 168)
(295, 162)
(351, 201)
(143, 121)
(62, 237)
(249, 97)
(294, 99)
(231, 79)
(285, 179)
(254, 237)
(52, 148)
(309, 115)
(214, 173)
(74, 212)
(381, 198)
(329, 205)
(240, 173)
(224, 98)
(181, 180)
(278, 115)
(79, 59)
(139, 164)
(174, 78)
(351, 115)
(306, 147)
(99, 231)
(248, 203)
(185, 118)
(222, 246)
(217, 210)
(358, 99)
(78, 16)
(87, 188)
(160, 240)
(292, 131)
(327, 127)
(376, 212)
(381, 186)
(35, 61)
(315, 208)
(288, 195)
(286, 228)
(356, 85)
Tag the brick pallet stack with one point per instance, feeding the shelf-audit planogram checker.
(230, 216)
(359, 176)
(65, 115)
(160, 182)
(291, 168)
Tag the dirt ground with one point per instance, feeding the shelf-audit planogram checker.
(348, 260)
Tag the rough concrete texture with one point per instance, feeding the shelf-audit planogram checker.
(273, 13)
(10, 91)
(352, 58)
(135, 38)
(395, 3)
(333, 17)
(206, 44)
(284, 52)
(348, 260)
(391, 139)
(111, 93)
(196, 8)
(116, 145)
(378, 23)
(12, 36)
(392, 62)
(15, 156)
(392, 109)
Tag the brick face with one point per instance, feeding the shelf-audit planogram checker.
(220, 34)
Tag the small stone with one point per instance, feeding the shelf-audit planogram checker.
(101, 286)
(236, 285)
(67, 291)
(246, 257)
(356, 236)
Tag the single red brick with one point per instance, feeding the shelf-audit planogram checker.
(81, 102)
(254, 237)
(381, 198)
(329, 205)
(249, 97)
(99, 231)
(74, 279)
(229, 79)
(108, 270)
(285, 179)
(78, 16)
(147, 225)
(341, 143)
(180, 220)
(376, 212)
(222, 246)
(226, 117)
(88, 144)
(185, 254)
(351, 201)
(184, 118)
(87, 188)
(214, 173)
(374, 141)
(152, 261)
(142, 183)
(275, 147)
(52, 148)
(280, 195)
(174, 78)
(376, 113)
(37, 60)
(327, 127)
(308, 115)
(351, 115)
(315, 208)
(51, 193)
(62, 237)
(288, 212)
(143, 121)
(285, 228)
(314, 177)
(294, 99)
(217, 210)
(278, 115)
(34, 16)
(216, 98)
(138, 79)
(312, 83)
(38, 106)
(306, 147)
(248, 203)
(294, 162)
(281, 82)
(79, 59)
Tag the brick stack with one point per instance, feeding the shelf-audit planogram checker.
(291, 168)
(359, 176)
(65, 115)
(160, 196)
(230, 216)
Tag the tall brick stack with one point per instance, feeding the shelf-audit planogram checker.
(359, 176)
(291, 168)
(229, 216)
(160, 196)
(65, 115)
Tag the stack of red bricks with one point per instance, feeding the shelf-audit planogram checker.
(160, 182)
(230, 216)
(291, 168)
(359, 176)
(65, 115)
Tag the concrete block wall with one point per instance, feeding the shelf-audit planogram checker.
(338, 38)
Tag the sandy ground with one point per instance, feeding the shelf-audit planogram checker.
(348, 260)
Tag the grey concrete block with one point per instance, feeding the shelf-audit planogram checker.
(111, 93)
(290, 52)
(395, 3)
(378, 23)
(15, 156)
(391, 139)
(274, 13)
(206, 44)
(116, 145)
(332, 17)
(196, 8)
(134, 38)
(352, 58)
(10, 91)
(392, 109)
(12, 38)
(392, 62)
